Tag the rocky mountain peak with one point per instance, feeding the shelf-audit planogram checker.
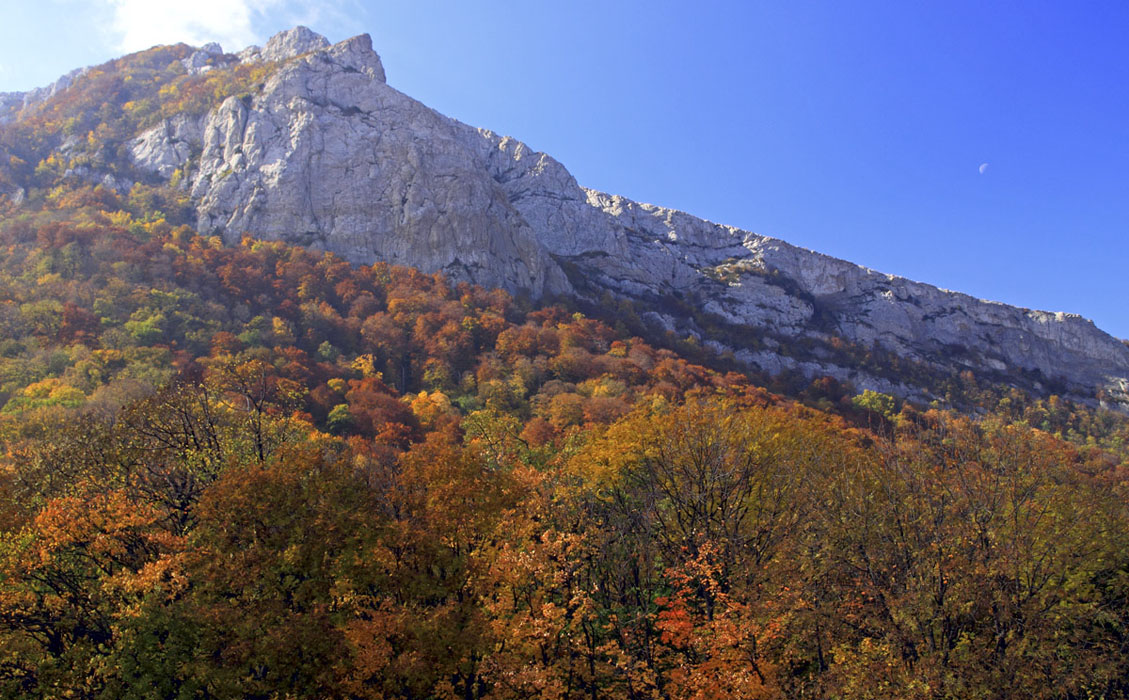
(355, 54)
(293, 42)
(286, 44)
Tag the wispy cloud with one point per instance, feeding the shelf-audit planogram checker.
(139, 24)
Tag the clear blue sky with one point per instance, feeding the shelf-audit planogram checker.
(853, 128)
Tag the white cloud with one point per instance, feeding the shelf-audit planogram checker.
(235, 24)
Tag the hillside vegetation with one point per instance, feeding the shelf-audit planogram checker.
(258, 471)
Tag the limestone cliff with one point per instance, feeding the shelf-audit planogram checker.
(327, 155)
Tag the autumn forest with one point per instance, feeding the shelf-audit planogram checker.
(258, 471)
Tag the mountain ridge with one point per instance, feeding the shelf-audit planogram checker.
(325, 154)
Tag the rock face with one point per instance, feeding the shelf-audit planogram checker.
(329, 156)
(288, 44)
(12, 103)
(198, 62)
(168, 146)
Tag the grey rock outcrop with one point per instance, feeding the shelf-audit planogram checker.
(288, 44)
(10, 104)
(167, 146)
(13, 103)
(200, 60)
(40, 95)
(329, 156)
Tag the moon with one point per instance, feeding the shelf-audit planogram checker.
(983, 168)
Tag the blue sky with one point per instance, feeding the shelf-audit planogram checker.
(857, 129)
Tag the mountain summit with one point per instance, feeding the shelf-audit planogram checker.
(320, 151)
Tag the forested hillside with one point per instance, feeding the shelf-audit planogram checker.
(259, 471)
(305, 142)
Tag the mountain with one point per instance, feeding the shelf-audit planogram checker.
(232, 467)
(317, 149)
